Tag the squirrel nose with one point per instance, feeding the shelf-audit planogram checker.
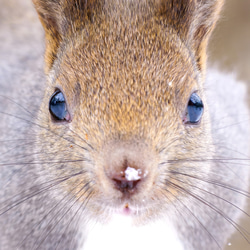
(127, 168)
(127, 181)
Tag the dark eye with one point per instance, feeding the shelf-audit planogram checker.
(58, 108)
(194, 110)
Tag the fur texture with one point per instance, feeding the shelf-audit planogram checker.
(127, 70)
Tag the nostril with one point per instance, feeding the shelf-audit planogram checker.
(124, 185)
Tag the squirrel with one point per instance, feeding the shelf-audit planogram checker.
(125, 146)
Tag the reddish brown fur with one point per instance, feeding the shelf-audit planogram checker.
(193, 21)
(127, 70)
(116, 62)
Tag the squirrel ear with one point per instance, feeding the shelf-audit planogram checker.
(61, 18)
(194, 21)
(204, 20)
(49, 15)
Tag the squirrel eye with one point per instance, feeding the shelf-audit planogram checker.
(194, 110)
(57, 107)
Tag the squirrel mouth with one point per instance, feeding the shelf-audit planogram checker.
(129, 211)
(126, 210)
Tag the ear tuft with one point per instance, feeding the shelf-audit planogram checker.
(205, 18)
(194, 21)
(61, 18)
(49, 16)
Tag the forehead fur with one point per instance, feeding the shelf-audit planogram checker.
(128, 76)
(193, 20)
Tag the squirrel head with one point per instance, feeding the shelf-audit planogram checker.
(126, 74)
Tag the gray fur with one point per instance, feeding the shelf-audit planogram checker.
(22, 84)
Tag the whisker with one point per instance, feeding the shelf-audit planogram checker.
(77, 135)
(214, 182)
(229, 160)
(47, 129)
(18, 105)
(51, 184)
(212, 194)
(233, 124)
(43, 162)
(16, 147)
(87, 198)
(213, 207)
(63, 215)
(193, 215)
(48, 213)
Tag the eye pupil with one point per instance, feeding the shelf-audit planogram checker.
(194, 109)
(57, 106)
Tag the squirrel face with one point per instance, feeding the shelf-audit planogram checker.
(126, 86)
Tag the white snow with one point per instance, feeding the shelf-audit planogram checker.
(132, 174)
